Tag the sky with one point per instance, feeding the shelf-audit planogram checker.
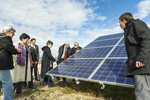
(68, 20)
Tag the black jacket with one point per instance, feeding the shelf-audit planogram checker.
(137, 42)
(6, 50)
(35, 53)
(60, 53)
(47, 58)
(73, 50)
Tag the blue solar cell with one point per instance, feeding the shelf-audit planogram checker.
(78, 68)
(121, 42)
(103, 43)
(92, 53)
(119, 51)
(113, 70)
(109, 36)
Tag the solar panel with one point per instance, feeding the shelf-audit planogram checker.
(109, 37)
(119, 51)
(77, 68)
(92, 53)
(122, 42)
(103, 60)
(102, 43)
(113, 70)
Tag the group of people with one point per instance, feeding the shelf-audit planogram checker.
(19, 59)
(25, 58)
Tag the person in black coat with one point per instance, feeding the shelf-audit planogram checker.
(76, 48)
(35, 56)
(7, 49)
(137, 43)
(47, 60)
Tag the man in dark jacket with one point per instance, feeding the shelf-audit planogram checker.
(35, 56)
(76, 48)
(137, 43)
(6, 61)
(47, 61)
(64, 52)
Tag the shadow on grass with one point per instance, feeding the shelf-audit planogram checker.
(110, 92)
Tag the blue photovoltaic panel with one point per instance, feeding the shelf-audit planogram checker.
(78, 68)
(109, 36)
(92, 53)
(121, 42)
(113, 70)
(98, 61)
(119, 51)
(102, 43)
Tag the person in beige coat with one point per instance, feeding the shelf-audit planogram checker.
(22, 63)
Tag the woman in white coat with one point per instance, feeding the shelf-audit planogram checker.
(22, 63)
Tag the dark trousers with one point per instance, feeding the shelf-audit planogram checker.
(48, 81)
(35, 71)
(30, 84)
(18, 87)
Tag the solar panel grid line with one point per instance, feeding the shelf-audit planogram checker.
(119, 51)
(86, 58)
(102, 43)
(104, 59)
(92, 53)
(99, 47)
(75, 68)
(109, 36)
(105, 39)
(117, 57)
(109, 71)
(119, 73)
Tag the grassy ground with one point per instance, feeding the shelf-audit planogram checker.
(71, 91)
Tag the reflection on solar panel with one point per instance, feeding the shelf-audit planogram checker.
(119, 51)
(112, 70)
(80, 68)
(109, 37)
(92, 53)
(102, 61)
(102, 43)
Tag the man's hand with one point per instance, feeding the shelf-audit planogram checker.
(55, 63)
(77, 51)
(139, 64)
(19, 50)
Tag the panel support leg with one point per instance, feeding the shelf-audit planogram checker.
(77, 81)
(103, 85)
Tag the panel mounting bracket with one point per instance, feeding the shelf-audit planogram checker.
(103, 85)
(52, 77)
(77, 81)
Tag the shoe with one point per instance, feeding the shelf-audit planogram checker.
(51, 86)
(37, 79)
(32, 87)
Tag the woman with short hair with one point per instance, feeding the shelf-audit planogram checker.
(22, 63)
